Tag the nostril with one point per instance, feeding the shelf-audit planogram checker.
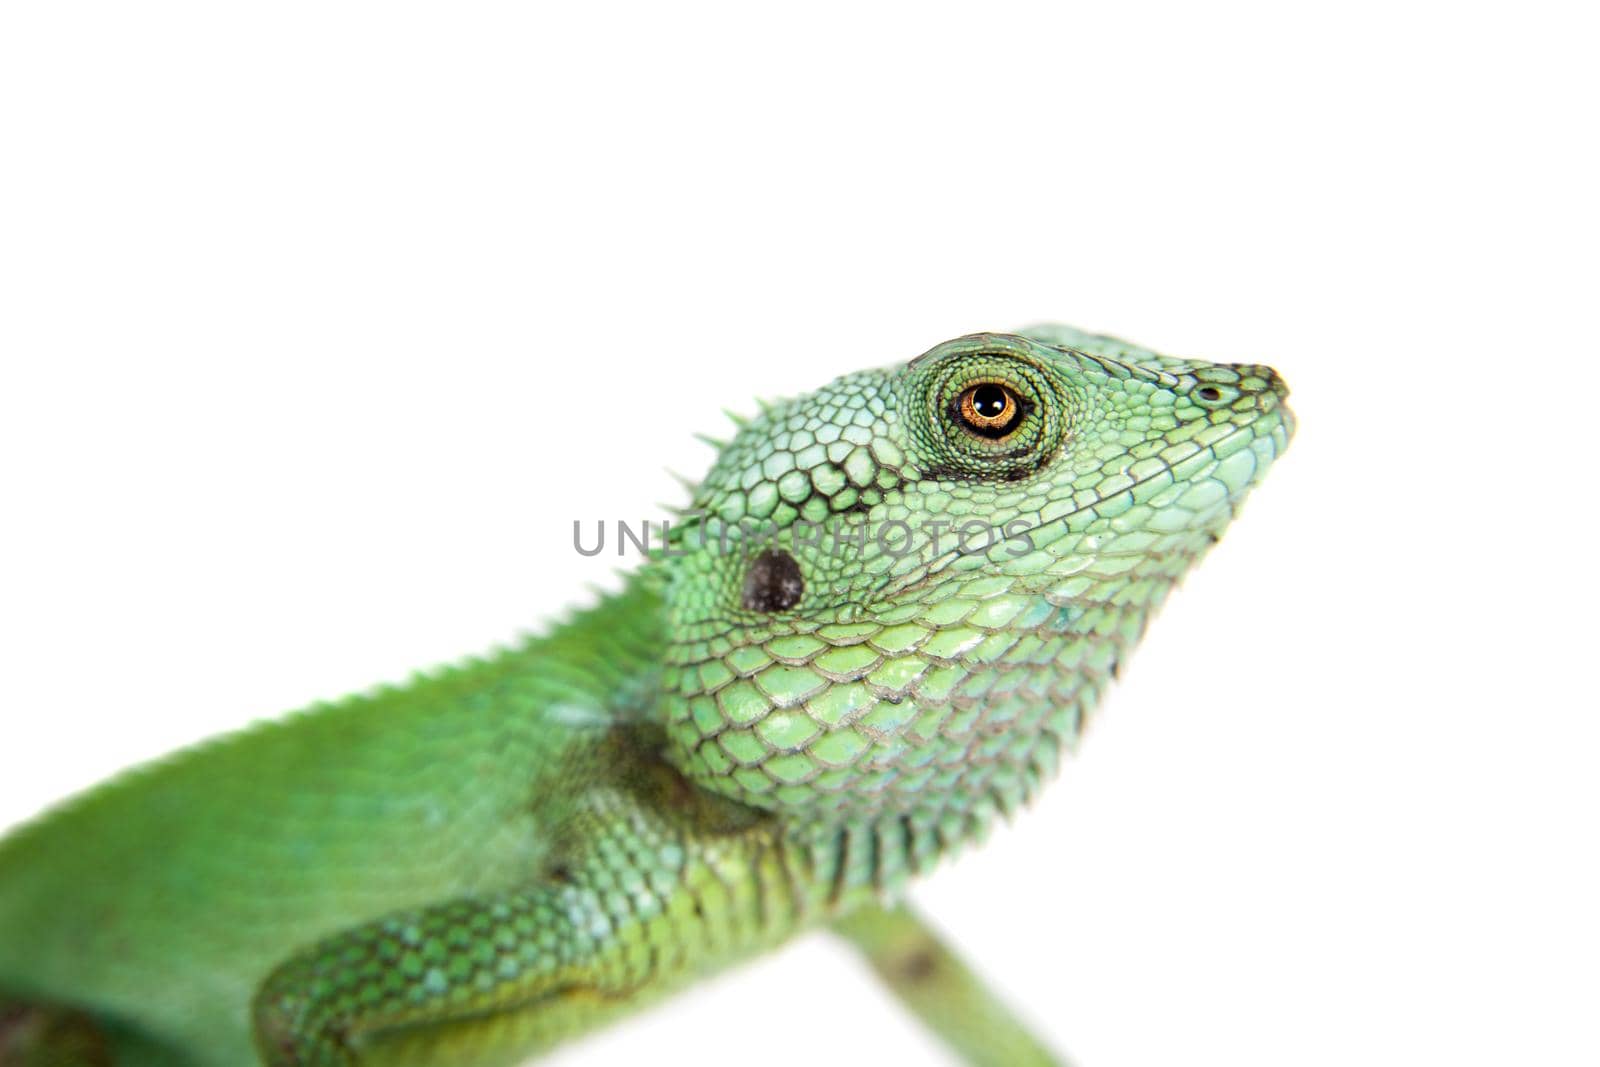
(1214, 394)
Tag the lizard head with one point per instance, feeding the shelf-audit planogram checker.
(901, 595)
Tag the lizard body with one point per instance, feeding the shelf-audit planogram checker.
(822, 686)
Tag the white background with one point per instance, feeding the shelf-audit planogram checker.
(321, 322)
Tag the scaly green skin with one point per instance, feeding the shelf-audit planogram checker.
(766, 730)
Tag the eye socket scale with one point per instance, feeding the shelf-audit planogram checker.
(989, 413)
(990, 410)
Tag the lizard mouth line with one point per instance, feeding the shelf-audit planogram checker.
(946, 559)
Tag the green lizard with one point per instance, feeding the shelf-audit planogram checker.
(890, 608)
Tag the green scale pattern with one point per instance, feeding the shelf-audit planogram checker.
(813, 693)
(924, 677)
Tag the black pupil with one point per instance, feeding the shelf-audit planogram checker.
(989, 401)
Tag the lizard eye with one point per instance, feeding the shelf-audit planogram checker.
(989, 409)
(992, 414)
